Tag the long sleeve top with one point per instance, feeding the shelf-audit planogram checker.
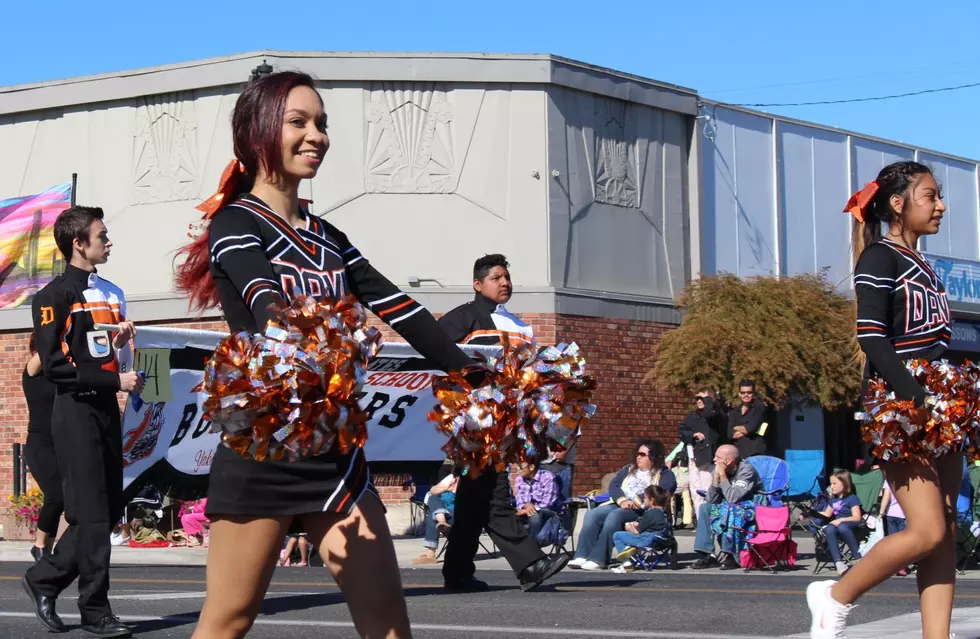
(653, 520)
(76, 357)
(258, 259)
(541, 491)
(903, 314)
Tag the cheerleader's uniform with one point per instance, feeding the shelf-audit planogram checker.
(903, 314)
(258, 259)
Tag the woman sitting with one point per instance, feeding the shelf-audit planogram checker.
(626, 504)
(441, 502)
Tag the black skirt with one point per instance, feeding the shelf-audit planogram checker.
(326, 483)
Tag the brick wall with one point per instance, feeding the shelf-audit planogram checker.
(616, 351)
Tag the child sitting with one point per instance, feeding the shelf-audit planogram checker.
(652, 527)
(844, 513)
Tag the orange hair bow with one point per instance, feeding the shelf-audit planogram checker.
(858, 204)
(226, 189)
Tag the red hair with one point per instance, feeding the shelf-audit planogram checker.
(256, 126)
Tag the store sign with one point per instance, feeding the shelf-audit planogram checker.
(966, 337)
(960, 277)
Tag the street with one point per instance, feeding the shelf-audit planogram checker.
(163, 601)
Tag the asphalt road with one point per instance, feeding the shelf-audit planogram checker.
(304, 602)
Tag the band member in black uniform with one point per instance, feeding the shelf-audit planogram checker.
(902, 314)
(260, 247)
(87, 367)
(485, 502)
(39, 453)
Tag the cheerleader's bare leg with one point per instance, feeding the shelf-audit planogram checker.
(359, 552)
(242, 556)
(927, 492)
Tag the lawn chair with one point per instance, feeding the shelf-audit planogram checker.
(867, 487)
(662, 550)
(806, 476)
(417, 509)
(774, 473)
(557, 532)
(771, 546)
(967, 542)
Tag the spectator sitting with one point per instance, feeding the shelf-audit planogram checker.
(626, 492)
(194, 521)
(745, 422)
(293, 540)
(536, 496)
(733, 480)
(652, 526)
(441, 502)
(844, 511)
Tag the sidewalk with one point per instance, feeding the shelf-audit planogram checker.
(406, 549)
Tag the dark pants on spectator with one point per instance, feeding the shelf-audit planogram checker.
(43, 464)
(88, 443)
(895, 524)
(842, 532)
(537, 521)
(485, 502)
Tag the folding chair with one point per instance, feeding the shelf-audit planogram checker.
(867, 488)
(806, 475)
(967, 541)
(418, 510)
(557, 532)
(662, 550)
(771, 546)
(774, 473)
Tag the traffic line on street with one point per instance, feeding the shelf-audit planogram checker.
(454, 629)
(965, 625)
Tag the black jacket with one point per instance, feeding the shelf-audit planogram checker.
(753, 443)
(710, 422)
(472, 323)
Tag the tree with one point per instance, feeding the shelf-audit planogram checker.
(794, 336)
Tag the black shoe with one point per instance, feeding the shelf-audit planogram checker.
(37, 553)
(44, 607)
(674, 562)
(542, 570)
(728, 563)
(706, 561)
(108, 626)
(466, 585)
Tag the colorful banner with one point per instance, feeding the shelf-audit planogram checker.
(168, 444)
(29, 258)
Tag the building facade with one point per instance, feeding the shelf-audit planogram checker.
(607, 192)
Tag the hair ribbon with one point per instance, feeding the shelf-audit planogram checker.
(227, 186)
(858, 204)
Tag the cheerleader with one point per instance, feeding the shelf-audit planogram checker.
(902, 314)
(261, 246)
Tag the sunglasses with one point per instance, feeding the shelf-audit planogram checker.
(642, 454)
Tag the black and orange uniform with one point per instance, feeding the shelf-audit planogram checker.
(486, 502)
(85, 424)
(40, 453)
(258, 259)
(903, 314)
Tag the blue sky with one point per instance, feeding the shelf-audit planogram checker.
(740, 52)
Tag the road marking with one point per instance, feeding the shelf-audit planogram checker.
(450, 629)
(558, 587)
(160, 596)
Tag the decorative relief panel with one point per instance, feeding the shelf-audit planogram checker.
(615, 167)
(165, 166)
(410, 133)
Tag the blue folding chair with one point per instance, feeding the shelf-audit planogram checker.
(774, 473)
(806, 474)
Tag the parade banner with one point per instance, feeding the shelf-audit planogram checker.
(29, 258)
(168, 444)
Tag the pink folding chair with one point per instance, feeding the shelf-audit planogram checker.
(771, 545)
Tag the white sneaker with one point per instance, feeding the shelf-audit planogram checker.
(117, 539)
(841, 567)
(591, 565)
(829, 617)
(576, 563)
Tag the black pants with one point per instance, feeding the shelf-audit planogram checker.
(88, 443)
(485, 502)
(43, 464)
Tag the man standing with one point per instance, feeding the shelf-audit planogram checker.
(746, 422)
(485, 502)
(87, 372)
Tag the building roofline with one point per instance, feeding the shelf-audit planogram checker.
(839, 131)
(340, 66)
